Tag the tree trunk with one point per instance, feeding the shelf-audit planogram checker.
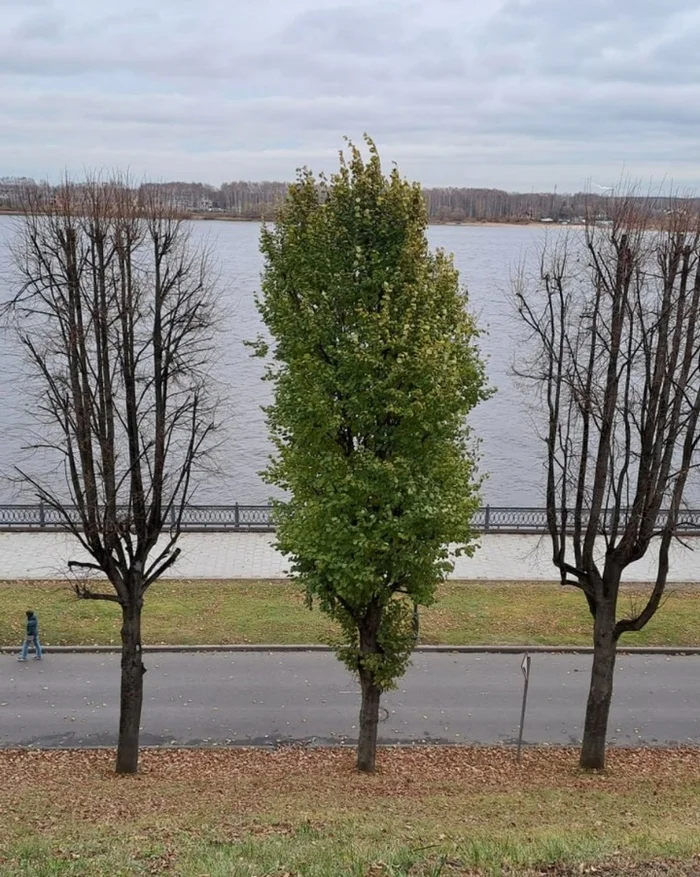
(369, 722)
(601, 689)
(371, 692)
(415, 623)
(131, 689)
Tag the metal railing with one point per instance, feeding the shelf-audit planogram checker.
(196, 518)
(531, 520)
(241, 518)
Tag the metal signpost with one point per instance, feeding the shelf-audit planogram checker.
(525, 667)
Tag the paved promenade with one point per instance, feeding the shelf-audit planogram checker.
(501, 557)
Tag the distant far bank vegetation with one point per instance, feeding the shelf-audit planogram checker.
(244, 201)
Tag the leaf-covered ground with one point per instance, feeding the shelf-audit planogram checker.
(428, 811)
(467, 613)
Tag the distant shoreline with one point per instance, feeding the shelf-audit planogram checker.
(470, 222)
(492, 223)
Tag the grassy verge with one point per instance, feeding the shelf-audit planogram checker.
(188, 613)
(240, 813)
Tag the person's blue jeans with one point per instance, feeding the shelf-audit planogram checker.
(34, 640)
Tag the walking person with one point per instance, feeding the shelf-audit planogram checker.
(31, 637)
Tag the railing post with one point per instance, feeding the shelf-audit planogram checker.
(42, 514)
(236, 517)
(487, 519)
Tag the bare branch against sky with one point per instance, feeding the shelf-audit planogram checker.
(509, 93)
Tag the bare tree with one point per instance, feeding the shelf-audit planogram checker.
(613, 324)
(115, 310)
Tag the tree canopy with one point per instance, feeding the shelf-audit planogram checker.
(375, 366)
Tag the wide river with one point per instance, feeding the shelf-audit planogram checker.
(511, 455)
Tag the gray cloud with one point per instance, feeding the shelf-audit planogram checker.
(40, 26)
(512, 93)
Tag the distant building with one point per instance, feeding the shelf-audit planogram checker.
(12, 190)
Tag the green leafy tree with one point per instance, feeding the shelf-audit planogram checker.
(375, 368)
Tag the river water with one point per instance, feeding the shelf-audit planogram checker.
(486, 256)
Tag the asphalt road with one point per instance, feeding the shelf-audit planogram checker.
(264, 699)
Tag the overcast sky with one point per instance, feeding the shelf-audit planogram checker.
(517, 94)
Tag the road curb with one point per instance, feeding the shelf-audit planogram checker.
(312, 647)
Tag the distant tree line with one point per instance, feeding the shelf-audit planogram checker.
(260, 200)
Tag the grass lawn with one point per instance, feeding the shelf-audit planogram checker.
(467, 613)
(293, 812)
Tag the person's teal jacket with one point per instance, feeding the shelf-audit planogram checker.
(32, 625)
